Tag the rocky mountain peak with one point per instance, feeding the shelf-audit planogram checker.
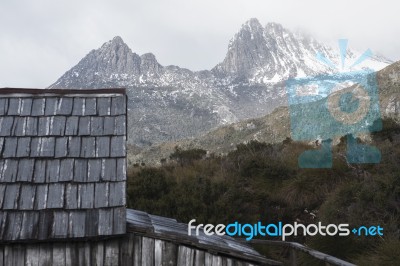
(149, 64)
(252, 25)
(245, 51)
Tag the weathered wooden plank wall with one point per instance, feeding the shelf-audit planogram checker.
(128, 250)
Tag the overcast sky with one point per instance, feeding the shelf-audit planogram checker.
(40, 40)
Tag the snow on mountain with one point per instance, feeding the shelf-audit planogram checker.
(168, 103)
(262, 55)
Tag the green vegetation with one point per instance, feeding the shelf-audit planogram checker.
(262, 182)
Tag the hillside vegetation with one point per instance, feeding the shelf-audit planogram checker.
(262, 182)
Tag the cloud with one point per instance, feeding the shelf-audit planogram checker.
(43, 39)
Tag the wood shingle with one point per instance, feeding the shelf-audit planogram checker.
(60, 154)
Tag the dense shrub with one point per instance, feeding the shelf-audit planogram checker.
(262, 182)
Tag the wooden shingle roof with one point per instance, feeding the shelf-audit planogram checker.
(62, 164)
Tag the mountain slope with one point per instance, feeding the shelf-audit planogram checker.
(272, 53)
(272, 128)
(169, 103)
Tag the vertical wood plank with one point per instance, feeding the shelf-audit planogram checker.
(18, 255)
(158, 251)
(185, 256)
(147, 251)
(69, 254)
(199, 258)
(32, 255)
(137, 261)
(80, 253)
(97, 253)
(111, 252)
(59, 254)
(87, 254)
(216, 260)
(127, 250)
(45, 255)
(229, 262)
(170, 254)
(207, 258)
(7, 255)
(1, 255)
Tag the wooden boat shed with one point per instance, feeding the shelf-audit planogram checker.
(63, 189)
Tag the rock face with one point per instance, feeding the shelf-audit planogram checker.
(272, 53)
(168, 103)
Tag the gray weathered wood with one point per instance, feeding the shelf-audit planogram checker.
(79, 106)
(105, 221)
(47, 147)
(64, 106)
(3, 106)
(199, 258)
(118, 105)
(185, 256)
(59, 254)
(120, 125)
(147, 251)
(66, 173)
(84, 126)
(10, 168)
(39, 174)
(52, 171)
(86, 194)
(32, 255)
(19, 125)
(103, 106)
(57, 126)
(77, 224)
(14, 106)
(109, 125)
(71, 126)
(55, 198)
(88, 149)
(137, 252)
(80, 170)
(94, 170)
(11, 196)
(60, 225)
(97, 253)
(96, 125)
(111, 252)
(27, 197)
(6, 126)
(127, 250)
(31, 126)
(109, 169)
(101, 195)
(74, 146)
(102, 147)
(90, 106)
(118, 146)
(51, 106)
(44, 126)
(23, 148)
(10, 147)
(170, 253)
(158, 251)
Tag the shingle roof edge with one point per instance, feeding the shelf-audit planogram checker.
(29, 91)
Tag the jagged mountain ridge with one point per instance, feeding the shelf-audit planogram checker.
(168, 103)
(272, 53)
(271, 128)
